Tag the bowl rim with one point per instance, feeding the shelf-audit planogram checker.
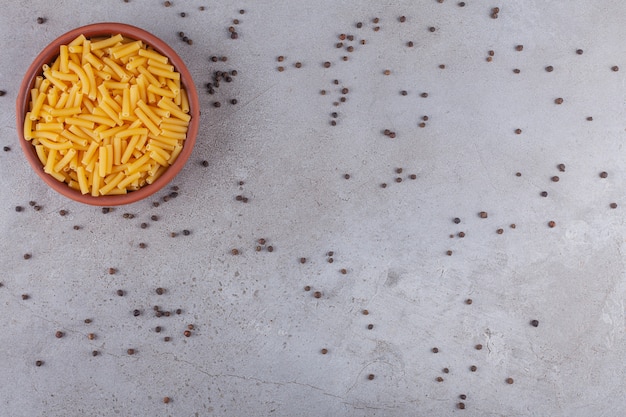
(94, 30)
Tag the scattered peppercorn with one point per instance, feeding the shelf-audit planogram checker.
(409, 44)
(41, 20)
(449, 253)
(604, 174)
(615, 68)
(167, 339)
(27, 256)
(59, 334)
(555, 179)
(435, 350)
(561, 167)
(518, 131)
(445, 370)
(370, 326)
(516, 71)
(544, 194)
(478, 347)
(136, 313)
(187, 333)
(500, 231)
(534, 323)
(558, 100)
(509, 381)
(473, 368)
(613, 205)
(91, 336)
(461, 406)
(326, 64)
(549, 68)
(317, 294)
(370, 376)
(324, 351)
(519, 47)
(131, 351)
(234, 251)
(579, 51)
(112, 271)
(25, 296)
(120, 293)
(38, 363)
(439, 379)
(307, 288)
(551, 223)
(468, 301)
(483, 214)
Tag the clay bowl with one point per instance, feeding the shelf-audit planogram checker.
(49, 53)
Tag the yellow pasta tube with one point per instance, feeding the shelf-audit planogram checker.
(119, 71)
(105, 43)
(184, 101)
(152, 178)
(65, 160)
(28, 127)
(149, 112)
(102, 161)
(150, 54)
(136, 62)
(158, 158)
(34, 113)
(157, 71)
(164, 92)
(96, 180)
(79, 122)
(129, 149)
(126, 102)
(91, 152)
(174, 154)
(125, 49)
(50, 161)
(117, 150)
(82, 180)
(147, 122)
(41, 154)
(109, 149)
(128, 180)
(61, 76)
(135, 165)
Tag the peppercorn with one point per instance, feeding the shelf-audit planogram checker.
(370, 326)
(370, 376)
(59, 334)
(187, 333)
(435, 350)
(463, 396)
(91, 336)
(424, 95)
(166, 400)
(324, 351)
(445, 370)
(579, 51)
(473, 368)
(234, 251)
(478, 347)
(558, 100)
(555, 179)
(589, 119)
(326, 64)
(449, 253)
(317, 294)
(87, 321)
(561, 167)
(519, 47)
(409, 44)
(516, 71)
(298, 64)
(551, 223)
(468, 301)
(500, 231)
(76, 227)
(270, 249)
(604, 174)
(544, 194)
(183, 14)
(343, 271)
(167, 339)
(461, 234)
(27, 256)
(534, 323)
(25, 296)
(439, 379)
(38, 363)
(154, 218)
(281, 69)
(136, 313)
(41, 20)
(179, 311)
(518, 131)
(387, 72)
(131, 351)
(347, 176)
(112, 271)
(120, 293)
(483, 214)
(359, 25)
(365, 312)
(613, 205)
(615, 68)
(509, 381)
(549, 68)
(461, 406)
(143, 225)
(307, 288)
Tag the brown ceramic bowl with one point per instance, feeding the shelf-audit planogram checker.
(106, 29)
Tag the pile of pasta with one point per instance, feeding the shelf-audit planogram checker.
(108, 116)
